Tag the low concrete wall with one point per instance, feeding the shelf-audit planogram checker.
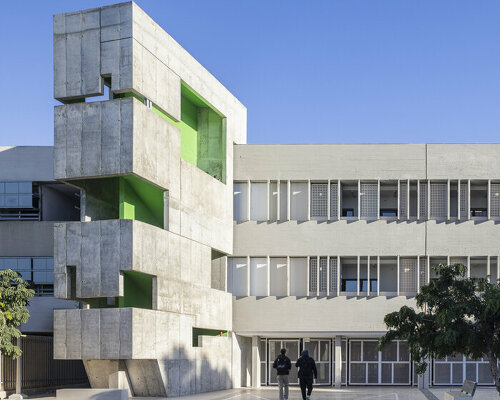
(92, 394)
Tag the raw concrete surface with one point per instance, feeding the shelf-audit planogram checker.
(352, 393)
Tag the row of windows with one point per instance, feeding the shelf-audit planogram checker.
(18, 195)
(335, 276)
(406, 200)
(38, 270)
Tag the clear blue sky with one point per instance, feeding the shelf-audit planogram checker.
(345, 71)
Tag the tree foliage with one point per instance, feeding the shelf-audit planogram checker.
(15, 295)
(455, 314)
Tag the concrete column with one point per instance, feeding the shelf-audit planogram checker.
(398, 276)
(378, 199)
(449, 200)
(339, 200)
(255, 362)
(249, 197)
(368, 277)
(317, 276)
(308, 275)
(328, 272)
(288, 186)
(288, 275)
(418, 199)
(408, 200)
(458, 200)
(418, 274)
(338, 275)
(468, 264)
(378, 275)
(309, 200)
(278, 197)
(447, 260)
(468, 198)
(357, 276)
(498, 268)
(399, 199)
(359, 200)
(338, 362)
(248, 275)
(428, 199)
(268, 190)
(489, 198)
(268, 276)
(328, 200)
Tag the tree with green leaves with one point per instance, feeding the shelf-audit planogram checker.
(15, 295)
(454, 314)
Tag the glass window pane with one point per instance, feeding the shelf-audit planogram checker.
(25, 187)
(25, 200)
(403, 351)
(344, 372)
(355, 350)
(11, 200)
(470, 372)
(358, 373)
(389, 352)
(324, 350)
(293, 376)
(402, 373)
(2, 200)
(263, 377)
(11, 187)
(274, 350)
(292, 349)
(273, 378)
(262, 350)
(372, 373)
(323, 372)
(386, 373)
(484, 373)
(39, 264)
(457, 373)
(370, 352)
(442, 373)
(312, 346)
(2, 187)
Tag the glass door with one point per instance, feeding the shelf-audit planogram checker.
(320, 351)
(292, 347)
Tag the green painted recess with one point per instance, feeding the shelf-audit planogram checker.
(140, 200)
(206, 332)
(138, 290)
(202, 129)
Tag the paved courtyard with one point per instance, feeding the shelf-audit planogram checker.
(359, 393)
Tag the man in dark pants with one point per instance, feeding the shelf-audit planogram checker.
(307, 371)
(283, 366)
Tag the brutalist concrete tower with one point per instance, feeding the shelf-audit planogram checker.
(154, 163)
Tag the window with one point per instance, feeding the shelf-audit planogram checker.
(319, 200)
(38, 270)
(388, 212)
(348, 212)
(19, 201)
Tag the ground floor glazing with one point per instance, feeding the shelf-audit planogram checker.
(363, 364)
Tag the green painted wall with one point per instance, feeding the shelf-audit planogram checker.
(138, 290)
(140, 200)
(203, 135)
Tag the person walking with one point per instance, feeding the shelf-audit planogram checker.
(307, 371)
(283, 366)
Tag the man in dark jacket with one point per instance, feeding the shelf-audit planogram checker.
(307, 371)
(283, 367)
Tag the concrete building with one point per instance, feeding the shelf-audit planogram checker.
(31, 201)
(197, 257)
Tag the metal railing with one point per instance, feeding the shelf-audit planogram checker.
(39, 369)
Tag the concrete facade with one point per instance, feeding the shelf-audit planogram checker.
(193, 271)
(159, 336)
(328, 239)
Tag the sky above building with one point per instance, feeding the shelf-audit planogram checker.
(333, 71)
